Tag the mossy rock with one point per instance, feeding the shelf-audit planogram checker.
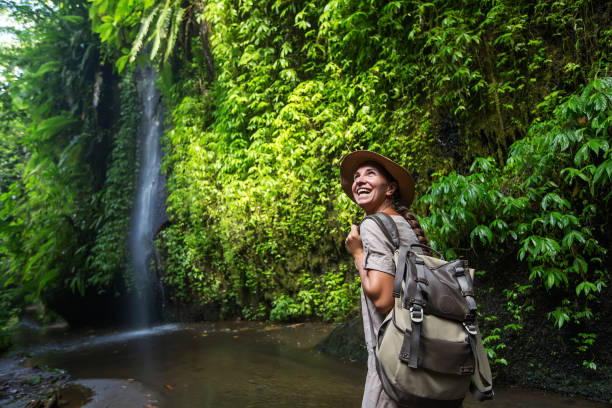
(346, 341)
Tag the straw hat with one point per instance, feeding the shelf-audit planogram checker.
(352, 161)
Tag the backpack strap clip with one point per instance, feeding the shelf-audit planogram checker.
(470, 328)
(416, 313)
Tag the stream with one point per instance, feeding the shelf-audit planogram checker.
(224, 364)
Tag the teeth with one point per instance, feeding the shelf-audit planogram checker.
(362, 191)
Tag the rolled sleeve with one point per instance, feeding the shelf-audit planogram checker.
(377, 249)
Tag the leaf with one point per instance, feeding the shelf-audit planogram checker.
(570, 237)
(604, 168)
(105, 31)
(484, 233)
(121, 62)
(600, 101)
(560, 315)
(73, 19)
(585, 287)
(53, 125)
(582, 155)
(46, 278)
(50, 66)
(580, 266)
(598, 144)
(122, 10)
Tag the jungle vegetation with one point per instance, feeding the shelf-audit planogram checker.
(501, 110)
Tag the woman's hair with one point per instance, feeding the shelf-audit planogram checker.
(413, 221)
(405, 212)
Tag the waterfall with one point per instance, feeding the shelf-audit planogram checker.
(148, 213)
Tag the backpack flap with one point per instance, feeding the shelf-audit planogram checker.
(445, 289)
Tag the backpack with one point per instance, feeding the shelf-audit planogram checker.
(428, 349)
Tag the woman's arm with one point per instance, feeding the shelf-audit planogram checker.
(377, 285)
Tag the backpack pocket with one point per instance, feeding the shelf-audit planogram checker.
(438, 377)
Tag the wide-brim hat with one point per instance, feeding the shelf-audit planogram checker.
(354, 160)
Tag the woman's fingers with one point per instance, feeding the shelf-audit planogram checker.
(353, 240)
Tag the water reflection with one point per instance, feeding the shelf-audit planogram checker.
(243, 365)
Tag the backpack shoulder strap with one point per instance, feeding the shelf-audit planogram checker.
(387, 226)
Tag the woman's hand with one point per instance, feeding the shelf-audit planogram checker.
(353, 241)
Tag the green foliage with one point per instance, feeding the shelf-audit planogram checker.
(547, 205)
(109, 256)
(44, 213)
(10, 302)
(56, 196)
(254, 202)
(130, 27)
(329, 297)
(11, 166)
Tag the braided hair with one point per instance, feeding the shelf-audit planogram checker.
(412, 220)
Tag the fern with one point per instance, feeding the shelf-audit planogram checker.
(161, 28)
(144, 29)
(178, 16)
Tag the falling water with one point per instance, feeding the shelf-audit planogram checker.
(148, 213)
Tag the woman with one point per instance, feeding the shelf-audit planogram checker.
(377, 184)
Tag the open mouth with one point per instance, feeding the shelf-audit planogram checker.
(362, 191)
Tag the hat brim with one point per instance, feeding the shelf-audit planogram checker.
(352, 161)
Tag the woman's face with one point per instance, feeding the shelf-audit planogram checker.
(371, 189)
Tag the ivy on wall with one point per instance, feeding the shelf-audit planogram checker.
(258, 216)
(109, 258)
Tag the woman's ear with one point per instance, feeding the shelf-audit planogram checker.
(391, 189)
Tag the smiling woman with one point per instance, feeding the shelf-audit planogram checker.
(371, 189)
(377, 184)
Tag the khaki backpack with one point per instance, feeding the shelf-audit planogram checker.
(428, 349)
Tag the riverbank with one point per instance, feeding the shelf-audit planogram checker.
(28, 385)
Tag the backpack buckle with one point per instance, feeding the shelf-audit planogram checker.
(470, 328)
(416, 314)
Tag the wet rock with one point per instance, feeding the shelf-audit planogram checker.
(26, 385)
(346, 341)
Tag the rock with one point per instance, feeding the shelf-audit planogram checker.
(51, 402)
(346, 341)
